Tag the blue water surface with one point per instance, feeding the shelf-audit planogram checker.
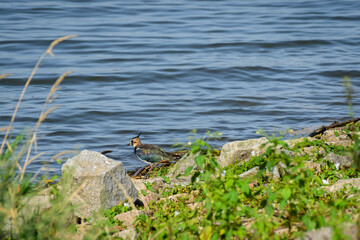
(168, 67)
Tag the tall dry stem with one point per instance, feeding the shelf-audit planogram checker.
(42, 117)
(48, 51)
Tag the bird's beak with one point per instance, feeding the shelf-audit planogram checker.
(128, 144)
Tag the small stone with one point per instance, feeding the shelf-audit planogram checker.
(253, 171)
(312, 150)
(274, 172)
(249, 173)
(337, 137)
(127, 234)
(292, 142)
(310, 165)
(324, 233)
(150, 197)
(352, 182)
(176, 197)
(40, 203)
(342, 161)
(129, 217)
(195, 205)
(282, 169)
(156, 183)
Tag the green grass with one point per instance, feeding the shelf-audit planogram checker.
(259, 207)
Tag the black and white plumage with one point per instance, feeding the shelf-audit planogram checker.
(149, 153)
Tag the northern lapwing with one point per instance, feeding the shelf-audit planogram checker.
(151, 154)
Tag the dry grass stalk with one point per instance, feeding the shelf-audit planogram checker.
(32, 159)
(75, 193)
(55, 86)
(43, 115)
(4, 75)
(52, 45)
(9, 146)
(157, 234)
(48, 51)
(130, 200)
(4, 128)
(63, 153)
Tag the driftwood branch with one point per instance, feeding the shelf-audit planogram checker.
(333, 125)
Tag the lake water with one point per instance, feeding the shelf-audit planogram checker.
(167, 67)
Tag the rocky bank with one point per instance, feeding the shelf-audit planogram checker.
(102, 183)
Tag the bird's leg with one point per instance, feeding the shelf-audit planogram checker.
(148, 173)
(140, 170)
(152, 166)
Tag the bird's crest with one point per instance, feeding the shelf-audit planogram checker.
(135, 141)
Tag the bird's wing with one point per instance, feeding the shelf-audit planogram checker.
(155, 152)
(148, 156)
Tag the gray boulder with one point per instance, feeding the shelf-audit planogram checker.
(97, 182)
(241, 151)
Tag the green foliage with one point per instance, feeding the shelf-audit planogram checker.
(255, 207)
(348, 94)
(112, 212)
(23, 215)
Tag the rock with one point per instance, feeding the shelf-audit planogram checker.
(150, 197)
(196, 205)
(176, 197)
(282, 169)
(40, 203)
(81, 231)
(182, 181)
(241, 151)
(352, 182)
(129, 217)
(340, 161)
(290, 153)
(156, 183)
(337, 137)
(180, 166)
(253, 171)
(326, 233)
(292, 142)
(351, 230)
(127, 234)
(249, 173)
(274, 172)
(310, 165)
(312, 150)
(97, 181)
